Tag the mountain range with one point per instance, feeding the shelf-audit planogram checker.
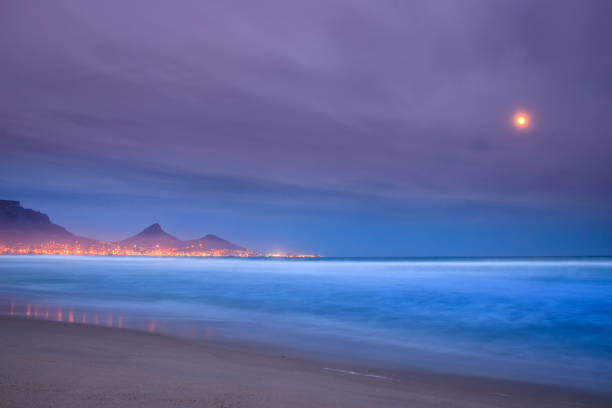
(25, 228)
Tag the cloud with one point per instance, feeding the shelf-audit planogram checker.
(328, 104)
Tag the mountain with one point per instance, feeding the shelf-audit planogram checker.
(212, 242)
(27, 231)
(20, 225)
(154, 237)
(151, 237)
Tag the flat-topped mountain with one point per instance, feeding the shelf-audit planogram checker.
(151, 237)
(26, 226)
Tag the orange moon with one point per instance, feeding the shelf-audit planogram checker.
(521, 120)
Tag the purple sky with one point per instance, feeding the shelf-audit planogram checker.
(343, 128)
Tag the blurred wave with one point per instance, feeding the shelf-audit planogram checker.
(545, 320)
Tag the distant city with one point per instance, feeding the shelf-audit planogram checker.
(28, 232)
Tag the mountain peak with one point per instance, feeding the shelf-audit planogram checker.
(153, 236)
(153, 229)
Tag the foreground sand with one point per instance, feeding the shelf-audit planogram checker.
(50, 364)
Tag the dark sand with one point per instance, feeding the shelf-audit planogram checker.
(50, 364)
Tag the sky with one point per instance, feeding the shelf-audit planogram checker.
(343, 128)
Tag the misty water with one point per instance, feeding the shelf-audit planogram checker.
(544, 320)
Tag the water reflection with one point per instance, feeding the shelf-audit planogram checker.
(31, 310)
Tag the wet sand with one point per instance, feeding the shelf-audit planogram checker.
(55, 364)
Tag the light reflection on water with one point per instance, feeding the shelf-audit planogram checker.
(56, 313)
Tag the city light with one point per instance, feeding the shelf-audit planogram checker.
(113, 249)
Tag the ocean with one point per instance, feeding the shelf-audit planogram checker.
(542, 320)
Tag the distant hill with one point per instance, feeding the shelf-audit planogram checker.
(212, 242)
(20, 225)
(151, 237)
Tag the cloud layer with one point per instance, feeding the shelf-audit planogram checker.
(310, 107)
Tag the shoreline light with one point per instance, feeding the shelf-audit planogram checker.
(113, 249)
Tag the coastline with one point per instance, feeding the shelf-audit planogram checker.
(65, 364)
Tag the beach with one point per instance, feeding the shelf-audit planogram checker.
(540, 321)
(47, 364)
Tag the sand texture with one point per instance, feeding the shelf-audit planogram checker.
(51, 364)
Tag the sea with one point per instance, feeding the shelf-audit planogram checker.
(545, 320)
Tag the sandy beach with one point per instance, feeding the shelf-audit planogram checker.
(51, 364)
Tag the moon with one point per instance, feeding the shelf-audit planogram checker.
(521, 120)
